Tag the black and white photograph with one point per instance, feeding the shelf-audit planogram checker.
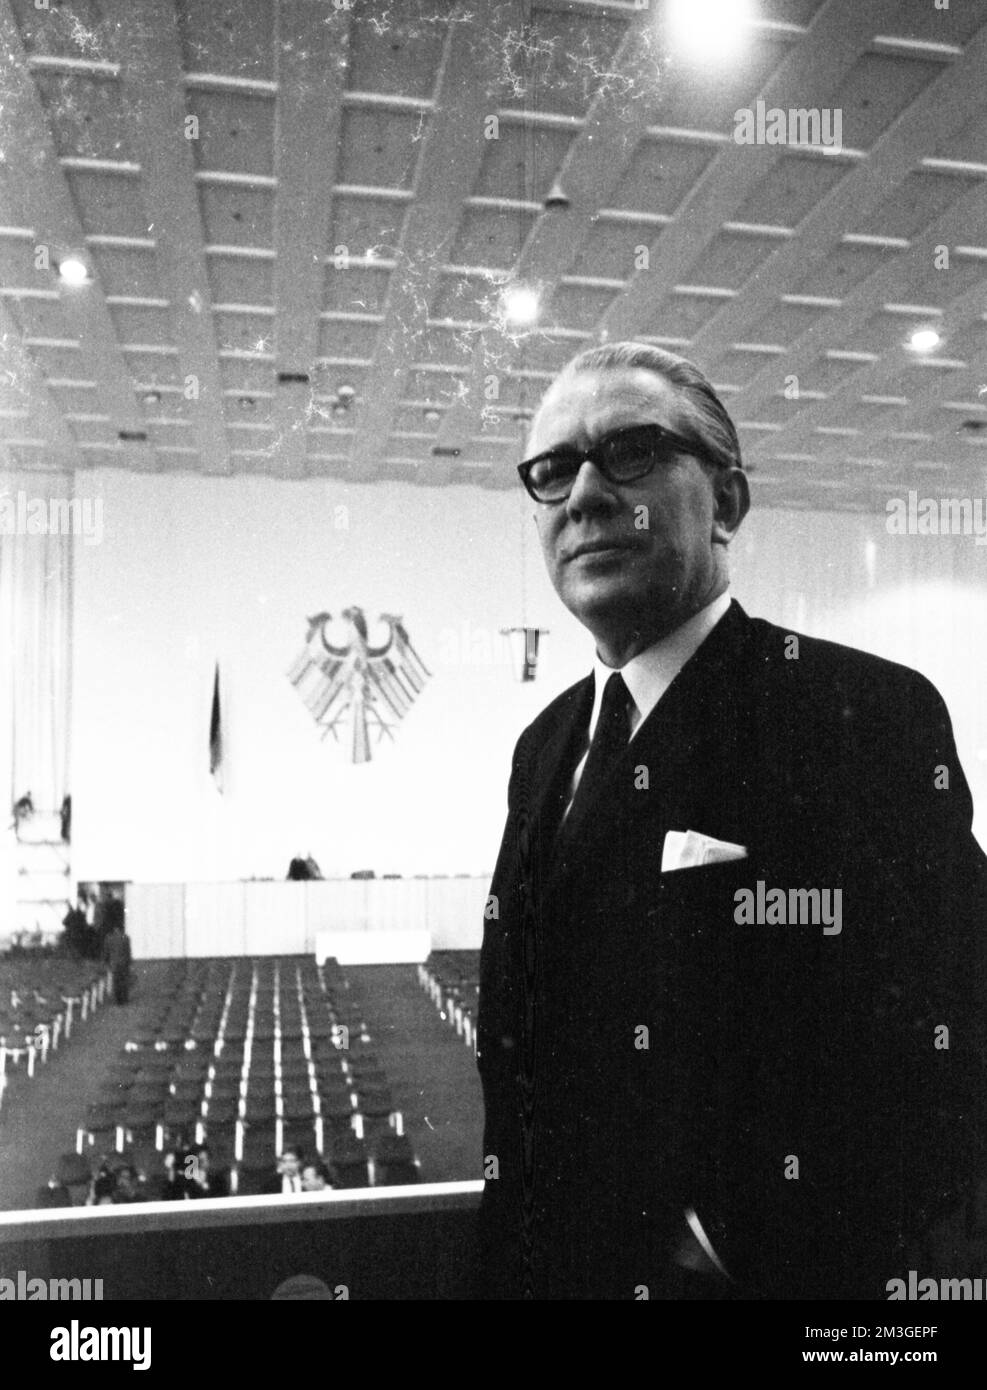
(493, 649)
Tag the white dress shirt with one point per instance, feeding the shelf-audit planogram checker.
(649, 674)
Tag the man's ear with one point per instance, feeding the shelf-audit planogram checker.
(731, 502)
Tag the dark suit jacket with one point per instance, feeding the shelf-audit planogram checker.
(273, 1186)
(642, 1053)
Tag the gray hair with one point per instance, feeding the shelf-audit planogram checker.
(713, 427)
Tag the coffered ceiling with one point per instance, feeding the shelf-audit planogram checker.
(298, 219)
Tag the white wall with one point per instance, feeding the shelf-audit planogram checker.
(918, 600)
(257, 919)
(192, 569)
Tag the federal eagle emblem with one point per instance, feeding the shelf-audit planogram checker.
(352, 685)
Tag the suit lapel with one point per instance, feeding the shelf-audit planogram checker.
(556, 762)
(700, 705)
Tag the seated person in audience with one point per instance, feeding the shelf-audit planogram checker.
(172, 1186)
(288, 1177)
(102, 1191)
(129, 1187)
(315, 1177)
(53, 1194)
(201, 1180)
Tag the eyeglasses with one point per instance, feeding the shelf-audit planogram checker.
(622, 457)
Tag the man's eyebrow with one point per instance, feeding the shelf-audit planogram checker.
(567, 447)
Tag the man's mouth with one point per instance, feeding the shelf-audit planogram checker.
(600, 547)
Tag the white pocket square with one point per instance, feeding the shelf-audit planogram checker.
(688, 849)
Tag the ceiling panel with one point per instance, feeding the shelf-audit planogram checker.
(730, 259)
(127, 271)
(490, 238)
(660, 174)
(109, 204)
(237, 216)
(324, 132)
(235, 131)
(354, 288)
(227, 37)
(558, 58)
(912, 204)
(243, 329)
(877, 90)
(239, 280)
(85, 116)
(579, 306)
(74, 400)
(834, 276)
(40, 318)
(699, 96)
(394, 51)
(522, 161)
(790, 190)
(62, 30)
(365, 225)
(138, 324)
(379, 148)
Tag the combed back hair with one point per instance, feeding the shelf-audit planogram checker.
(709, 424)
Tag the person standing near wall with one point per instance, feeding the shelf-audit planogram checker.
(117, 954)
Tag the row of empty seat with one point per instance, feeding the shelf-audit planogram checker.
(451, 979)
(249, 1056)
(42, 997)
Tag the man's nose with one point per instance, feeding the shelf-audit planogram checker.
(590, 491)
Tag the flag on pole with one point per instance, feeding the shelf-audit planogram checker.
(216, 735)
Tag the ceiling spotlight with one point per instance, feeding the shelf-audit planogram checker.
(346, 393)
(432, 416)
(73, 270)
(710, 30)
(339, 411)
(151, 398)
(246, 402)
(520, 305)
(924, 340)
(556, 200)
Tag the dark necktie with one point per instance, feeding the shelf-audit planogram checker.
(610, 738)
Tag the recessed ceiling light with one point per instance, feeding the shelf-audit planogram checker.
(73, 270)
(339, 411)
(432, 416)
(151, 398)
(520, 305)
(246, 402)
(711, 30)
(924, 340)
(346, 392)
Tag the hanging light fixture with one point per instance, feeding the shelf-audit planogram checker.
(524, 640)
(524, 649)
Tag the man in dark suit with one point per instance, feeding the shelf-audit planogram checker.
(743, 1062)
(288, 1176)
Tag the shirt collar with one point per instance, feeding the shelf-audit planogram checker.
(649, 674)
